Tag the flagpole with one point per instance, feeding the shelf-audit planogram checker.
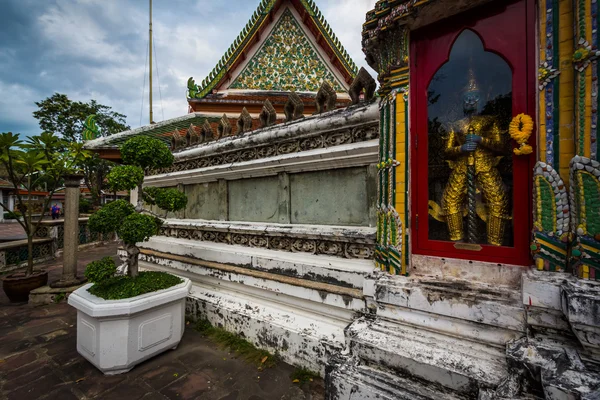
(150, 58)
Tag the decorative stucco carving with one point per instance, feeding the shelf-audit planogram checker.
(294, 107)
(363, 81)
(326, 98)
(330, 139)
(268, 115)
(244, 122)
(224, 128)
(291, 243)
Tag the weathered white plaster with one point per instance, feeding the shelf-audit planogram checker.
(269, 282)
(116, 335)
(454, 363)
(352, 381)
(542, 289)
(476, 302)
(495, 274)
(320, 268)
(580, 302)
(302, 331)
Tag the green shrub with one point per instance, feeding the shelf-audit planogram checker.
(137, 228)
(85, 206)
(110, 217)
(100, 270)
(166, 199)
(12, 215)
(125, 177)
(146, 152)
(124, 287)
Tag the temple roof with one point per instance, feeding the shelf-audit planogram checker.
(286, 45)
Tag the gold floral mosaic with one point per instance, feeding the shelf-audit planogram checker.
(286, 61)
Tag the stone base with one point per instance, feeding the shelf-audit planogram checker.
(348, 380)
(48, 295)
(75, 282)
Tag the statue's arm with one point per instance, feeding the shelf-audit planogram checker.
(494, 140)
(451, 149)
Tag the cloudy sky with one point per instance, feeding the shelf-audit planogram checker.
(97, 49)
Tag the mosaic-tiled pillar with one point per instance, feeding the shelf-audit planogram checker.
(388, 254)
(584, 167)
(556, 84)
(391, 62)
(556, 136)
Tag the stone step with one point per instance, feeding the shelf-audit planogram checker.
(457, 364)
(301, 332)
(321, 268)
(347, 381)
(481, 303)
(301, 289)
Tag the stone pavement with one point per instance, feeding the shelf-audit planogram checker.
(39, 360)
(11, 231)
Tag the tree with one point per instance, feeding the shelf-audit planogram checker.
(134, 224)
(42, 161)
(62, 116)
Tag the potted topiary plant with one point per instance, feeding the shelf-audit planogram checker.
(124, 319)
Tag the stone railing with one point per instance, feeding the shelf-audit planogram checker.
(55, 231)
(48, 244)
(14, 254)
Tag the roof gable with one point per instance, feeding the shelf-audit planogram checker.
(311, 18)
(286, 61)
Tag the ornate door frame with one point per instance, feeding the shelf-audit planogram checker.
(517, 45)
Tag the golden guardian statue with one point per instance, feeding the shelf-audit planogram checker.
(472, 150)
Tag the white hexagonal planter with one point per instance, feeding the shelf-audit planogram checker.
(115, 335)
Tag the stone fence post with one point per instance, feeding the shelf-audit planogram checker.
(71, 233)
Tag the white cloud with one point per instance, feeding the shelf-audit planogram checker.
(74, 29)
(346, 18)
(96, 49)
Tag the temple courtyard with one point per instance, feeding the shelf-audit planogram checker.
(39, 360)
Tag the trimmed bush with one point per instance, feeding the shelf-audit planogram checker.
(125, 177)
(146, 152)
(124, 287)
(110, 217)
(100, 270)
(85, 206)
(137, 228)
(166, 199)
(12, 215)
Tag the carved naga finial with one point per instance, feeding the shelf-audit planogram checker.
(224, 128)
(177, 141)
(191, 137)
(244, 122)
(294, 107)
(207, 131)
(326, 98)
(268, 115)
(365, 81)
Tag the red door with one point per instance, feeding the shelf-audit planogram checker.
(470, 75)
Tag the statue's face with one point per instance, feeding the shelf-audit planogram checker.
(470, 102)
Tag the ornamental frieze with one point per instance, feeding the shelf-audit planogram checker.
(330, 139)
(294, 244)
